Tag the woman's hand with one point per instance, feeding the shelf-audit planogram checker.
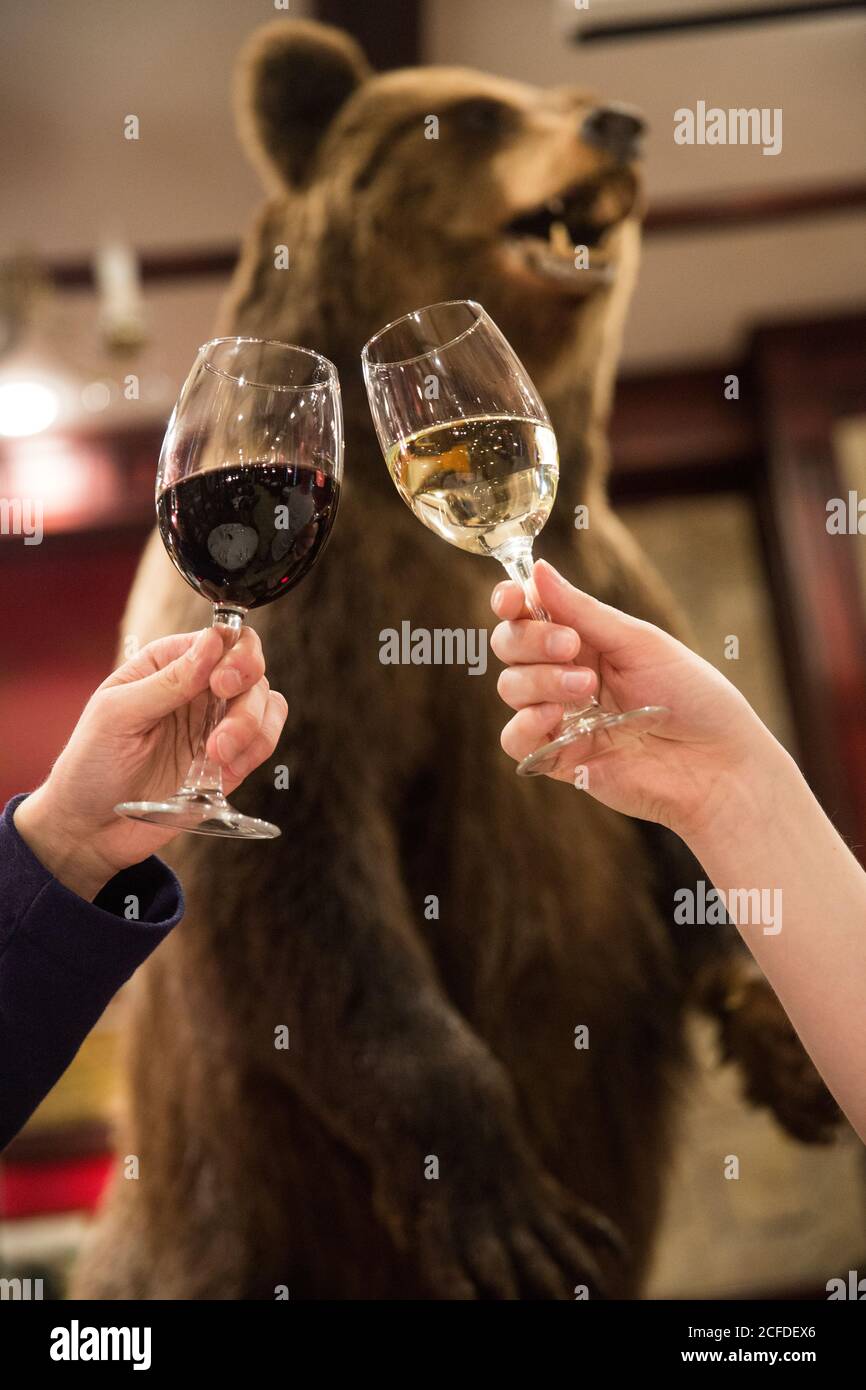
(135, 741)
(679, 773)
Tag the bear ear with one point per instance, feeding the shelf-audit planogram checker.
(292, 79)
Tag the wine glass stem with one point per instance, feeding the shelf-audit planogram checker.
(516, 559)
(205, 777)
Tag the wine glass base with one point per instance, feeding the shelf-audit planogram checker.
(584, 727)
(201, 815)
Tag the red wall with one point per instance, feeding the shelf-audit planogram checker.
(62, 602)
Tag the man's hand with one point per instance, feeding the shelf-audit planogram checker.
(135, 740)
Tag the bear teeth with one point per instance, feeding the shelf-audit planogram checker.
(560, 241)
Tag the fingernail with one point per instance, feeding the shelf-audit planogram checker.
(548, 568)
(497, 596)
(576, 681)
(561, 645)
(197, 647)
(231, 682)
(226, 747)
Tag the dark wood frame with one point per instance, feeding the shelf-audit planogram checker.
(776, 445)
(807, 377)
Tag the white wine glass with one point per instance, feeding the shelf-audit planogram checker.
(470, 447)
(246, 493)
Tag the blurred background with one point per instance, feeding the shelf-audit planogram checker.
(114, 253)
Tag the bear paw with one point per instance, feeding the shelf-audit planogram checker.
(778, 1073)
(526, 1240)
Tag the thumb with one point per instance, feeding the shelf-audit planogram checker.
(606, 629)
(147, 700)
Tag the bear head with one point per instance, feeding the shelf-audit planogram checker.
(393, 191)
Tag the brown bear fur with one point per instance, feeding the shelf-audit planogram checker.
(413, 1037)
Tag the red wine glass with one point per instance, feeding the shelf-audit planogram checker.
(246, 493)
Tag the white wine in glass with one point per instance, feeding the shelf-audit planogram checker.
(479, 483)
(470, 447)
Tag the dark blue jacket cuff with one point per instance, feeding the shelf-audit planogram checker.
(61, 961)
(86, 935)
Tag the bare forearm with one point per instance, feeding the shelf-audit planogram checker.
(772, 835)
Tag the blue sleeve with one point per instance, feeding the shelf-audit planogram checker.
(61, 961)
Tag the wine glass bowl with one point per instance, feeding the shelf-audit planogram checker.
(465, 435)
(247, 490)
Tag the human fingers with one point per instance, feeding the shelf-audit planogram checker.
(139, 700)
(529, 728)
(606, 629)
(241, 668)
(520, 686)
(153, 657)
(528, 642)
(241, 724)
(263, 744)
(507, 600)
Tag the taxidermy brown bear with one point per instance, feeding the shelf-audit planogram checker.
(431, 930)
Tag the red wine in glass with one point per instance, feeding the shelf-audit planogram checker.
(245, 536)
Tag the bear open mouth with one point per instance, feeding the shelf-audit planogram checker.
(549, 238)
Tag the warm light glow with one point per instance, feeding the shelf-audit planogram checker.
(26, 407)
(52, 474)
(75, 486)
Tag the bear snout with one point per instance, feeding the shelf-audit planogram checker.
(616, 129)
